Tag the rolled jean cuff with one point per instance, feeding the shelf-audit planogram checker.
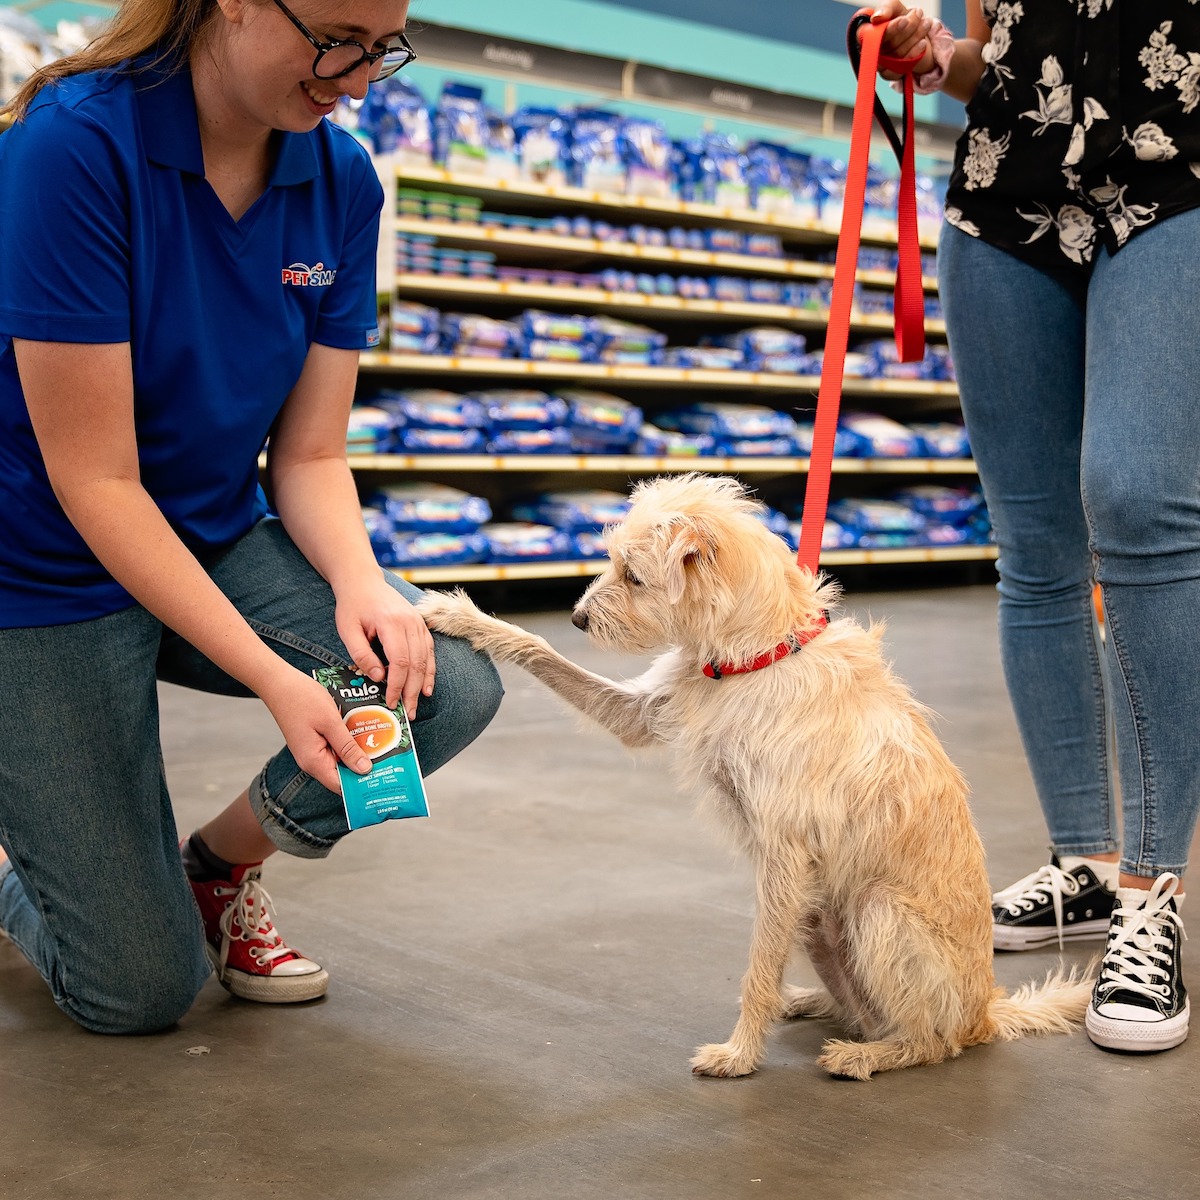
(287, 835)
(1146, 871)
(1084, 849)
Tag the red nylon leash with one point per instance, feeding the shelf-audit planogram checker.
(909, 293)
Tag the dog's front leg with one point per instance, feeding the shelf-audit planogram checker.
(780, 904)
(624, 709)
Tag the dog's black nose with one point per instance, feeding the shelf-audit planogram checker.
(579, 619)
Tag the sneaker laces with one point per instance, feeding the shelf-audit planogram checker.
(254, 913)
(1050, 882)
(1142, 947)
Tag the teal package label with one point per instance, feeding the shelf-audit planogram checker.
(394, 788)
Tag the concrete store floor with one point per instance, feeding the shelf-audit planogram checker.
(518, 984)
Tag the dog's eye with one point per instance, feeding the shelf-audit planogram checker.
(631, 578)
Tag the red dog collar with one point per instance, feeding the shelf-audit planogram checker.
(720, 670)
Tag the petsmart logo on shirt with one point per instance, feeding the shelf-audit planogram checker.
(299, 275)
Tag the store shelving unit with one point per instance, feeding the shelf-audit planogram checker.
(520, 572)
(638, 383)
(570, 250)
(630, 305)
(646, 465)
(517, 371)
(533, 196)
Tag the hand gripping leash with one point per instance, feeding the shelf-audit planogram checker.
(909, 296)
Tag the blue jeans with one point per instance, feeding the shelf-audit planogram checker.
(96, 897)
(1080, 397)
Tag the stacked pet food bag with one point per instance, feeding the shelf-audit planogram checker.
(433, 525)
(419, 524)
(925, 515)
(604, 151)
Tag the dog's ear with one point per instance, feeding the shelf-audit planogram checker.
(688, 543)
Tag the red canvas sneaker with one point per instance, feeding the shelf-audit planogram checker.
(250, 958)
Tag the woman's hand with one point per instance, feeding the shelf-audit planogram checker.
(315, 733)
(375, 616)
(906, 36)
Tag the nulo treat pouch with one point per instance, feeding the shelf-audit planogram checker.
(394, 788)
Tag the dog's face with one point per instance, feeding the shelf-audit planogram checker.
(682, 566)
(633, 604)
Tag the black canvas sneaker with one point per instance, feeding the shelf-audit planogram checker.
(1139, 1002)
(1063, 901)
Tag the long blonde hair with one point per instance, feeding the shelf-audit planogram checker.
(138, 26)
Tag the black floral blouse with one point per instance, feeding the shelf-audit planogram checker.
(1085, 128)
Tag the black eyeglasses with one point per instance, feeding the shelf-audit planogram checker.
(342, 57)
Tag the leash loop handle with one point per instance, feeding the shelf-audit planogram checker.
(867, 58)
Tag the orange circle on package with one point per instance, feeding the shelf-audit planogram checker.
(374, 728)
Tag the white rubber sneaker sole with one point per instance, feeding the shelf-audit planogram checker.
(1023, 937)
(1139, 1037)
(267, 989)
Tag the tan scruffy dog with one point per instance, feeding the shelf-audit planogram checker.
(821, 763)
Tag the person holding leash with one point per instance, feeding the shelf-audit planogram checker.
(188, 270)
(1072, 217)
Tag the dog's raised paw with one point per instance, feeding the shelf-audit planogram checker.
(722, 1061)
(453, 613)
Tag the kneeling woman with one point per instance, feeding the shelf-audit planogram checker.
(189, 269)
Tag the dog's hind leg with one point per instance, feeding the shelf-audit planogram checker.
(780, 902)
(907, 982)
(820, 936)
(807, 1002)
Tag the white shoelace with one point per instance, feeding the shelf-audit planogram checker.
(1141, 951)
(254, 913)
(1048, 882)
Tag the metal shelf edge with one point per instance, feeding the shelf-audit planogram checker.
(501, 572)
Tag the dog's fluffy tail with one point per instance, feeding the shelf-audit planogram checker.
(1055, 1006)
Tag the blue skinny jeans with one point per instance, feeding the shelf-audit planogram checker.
(94, 894)
(1080, 398)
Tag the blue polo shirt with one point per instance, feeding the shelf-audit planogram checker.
(110, 233)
